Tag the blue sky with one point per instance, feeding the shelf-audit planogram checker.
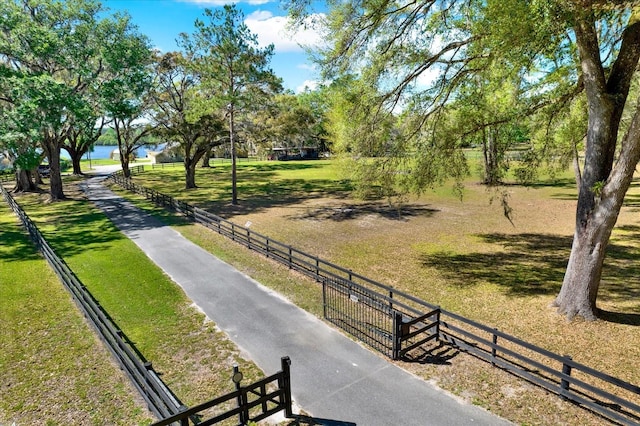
(163, 20)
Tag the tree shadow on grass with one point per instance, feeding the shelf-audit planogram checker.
(531, 264)
(349, 211)
(15, 245)
(77, 229)
(534, 264)
(259, 188)
(256, 196)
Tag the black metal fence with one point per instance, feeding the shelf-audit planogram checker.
(161, 401)
(165, 165)
(410, 325)
(254, 402)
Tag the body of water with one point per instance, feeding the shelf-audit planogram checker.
(101, 152)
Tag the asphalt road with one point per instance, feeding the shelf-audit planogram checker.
(332, 377)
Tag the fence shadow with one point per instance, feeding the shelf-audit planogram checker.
(441, 354)
(302, 420)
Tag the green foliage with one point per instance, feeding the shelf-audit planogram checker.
(290, 123)
(108, 137)
(225, 54)
(430, 58)
(57, 60)
(178, 114)
(461, 70)
(233, 72)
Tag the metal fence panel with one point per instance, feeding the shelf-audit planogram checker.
(360, 312)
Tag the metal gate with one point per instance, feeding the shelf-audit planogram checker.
(375, 320)
(254, 402)
(360, 312)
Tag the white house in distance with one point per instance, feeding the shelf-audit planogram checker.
(169, 154)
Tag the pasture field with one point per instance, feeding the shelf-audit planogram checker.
(53, 368)
(461, 254)
(52, 361)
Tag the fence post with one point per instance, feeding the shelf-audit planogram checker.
(494, 340)
(285, 385)
(397, 335)
(391, 299)
(184, 421)
(438, 324)
(324, 297)
(237, 378)
(566, 370)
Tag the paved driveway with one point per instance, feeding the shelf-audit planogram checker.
(333, 377)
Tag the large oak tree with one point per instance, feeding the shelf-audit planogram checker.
(54, 55)
(176, 96)
(419, 54)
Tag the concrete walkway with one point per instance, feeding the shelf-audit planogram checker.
(332, 377)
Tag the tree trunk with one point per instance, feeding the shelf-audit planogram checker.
(602, 186)
(190, 174)
(37, 178)
(55, 177)
(24, 183)
(124, 162)
(190, 162)
(491, 154)
(234, 176)
(582, 278)
(206, 163)
(75, 161)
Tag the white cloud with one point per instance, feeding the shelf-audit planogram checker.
(307, 84)
(275, 29)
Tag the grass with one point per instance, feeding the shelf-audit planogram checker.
(53, 369)
(193, 357)
(462, 255)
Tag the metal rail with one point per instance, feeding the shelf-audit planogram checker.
(418, 321)
(160, 400)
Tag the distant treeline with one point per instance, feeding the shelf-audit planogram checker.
(108, 137)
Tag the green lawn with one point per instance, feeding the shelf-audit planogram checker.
(53, 369)
(462, 255)
(193, 357)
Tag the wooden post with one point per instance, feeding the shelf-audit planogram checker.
(237, 378)
(566, 369)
